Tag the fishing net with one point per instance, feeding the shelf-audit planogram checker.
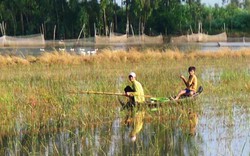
(238, 39)
(118, 38)
(152, 39)
(129, 39)
(200, 37)
(214, 38)
(179, 39)
(28, 40)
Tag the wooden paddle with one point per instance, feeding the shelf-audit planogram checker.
(102, 93)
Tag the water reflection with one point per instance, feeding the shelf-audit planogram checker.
(127, 135)
(183, 131)
(225, 128)
(135, 117)
(193, 122)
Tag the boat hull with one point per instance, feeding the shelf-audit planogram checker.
(155, 102)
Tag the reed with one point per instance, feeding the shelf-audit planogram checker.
(34, 91)
(131, 56)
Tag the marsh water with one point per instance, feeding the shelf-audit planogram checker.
(86, 49)
(223, 128)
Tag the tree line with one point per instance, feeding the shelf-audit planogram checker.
(65, 18)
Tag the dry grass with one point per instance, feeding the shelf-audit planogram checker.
(121, 56)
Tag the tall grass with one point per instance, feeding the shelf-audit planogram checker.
(34, 91)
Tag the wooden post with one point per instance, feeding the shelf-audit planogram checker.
(110, 29)
(1, 27)
(191, 29)
(83, 27)
(43, 29)
(95, 29)
(132, 30)
(139, 26)
(54, 36)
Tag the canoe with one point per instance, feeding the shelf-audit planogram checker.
(154, 102)
(182, 98)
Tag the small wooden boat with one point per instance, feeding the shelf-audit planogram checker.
(182, 98)
(155, 102)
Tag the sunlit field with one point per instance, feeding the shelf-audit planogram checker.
(42, 110)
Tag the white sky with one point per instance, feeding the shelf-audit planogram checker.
(212, 2)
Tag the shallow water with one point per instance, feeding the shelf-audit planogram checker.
(87, 49)
(223, 129)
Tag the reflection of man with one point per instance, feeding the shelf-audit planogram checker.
(137, 124)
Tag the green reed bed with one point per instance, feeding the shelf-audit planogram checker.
(35, 93)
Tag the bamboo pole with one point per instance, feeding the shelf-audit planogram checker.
(102, 93)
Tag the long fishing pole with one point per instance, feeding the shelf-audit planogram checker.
(102, 93)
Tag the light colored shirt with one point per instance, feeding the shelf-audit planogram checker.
(138, 92)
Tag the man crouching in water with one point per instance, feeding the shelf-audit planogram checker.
(135, 92)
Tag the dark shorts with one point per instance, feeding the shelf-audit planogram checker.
(129, 89)
(188, 91)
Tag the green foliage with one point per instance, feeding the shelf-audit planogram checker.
(241, 21)
(24, 17)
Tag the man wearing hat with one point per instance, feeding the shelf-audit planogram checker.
(135, 92)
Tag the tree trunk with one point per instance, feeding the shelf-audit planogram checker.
(115, 21)
(139, 26)
(105, 22)
(14, 24)
(127, 14)
(22, 23)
